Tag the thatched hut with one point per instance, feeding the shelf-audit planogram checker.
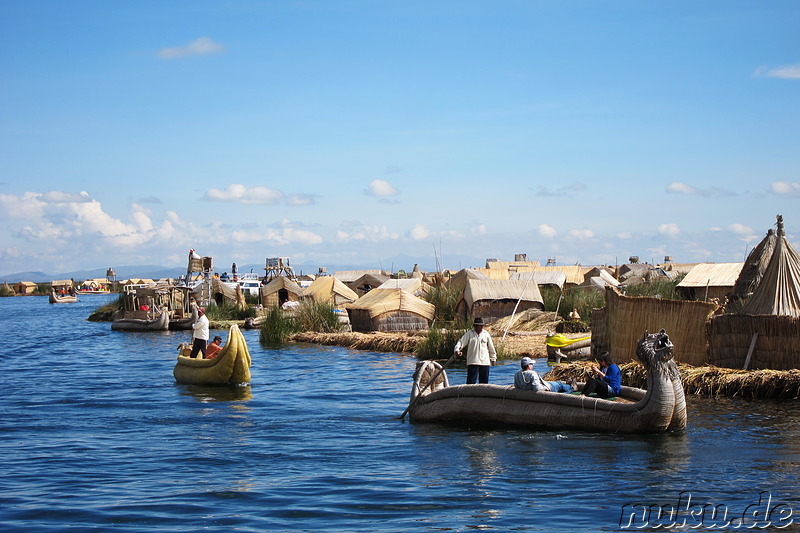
(367, 282)
(279, 291)
(413, 285)
(349, 276)
(764, 333)
(24, 287)
(222, 293)
(709, 280)
(493, 299)
(754, 267)
(328, 289)
(458, 281)
(574, 274)
(598, 278)
(543, 278)
(390, 310)
(622, 322)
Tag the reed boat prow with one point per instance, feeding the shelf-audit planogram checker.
(662, 407)
(230, 367)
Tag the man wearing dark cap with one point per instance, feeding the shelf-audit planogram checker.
(480, 352)
(200, 334)
(214, 348)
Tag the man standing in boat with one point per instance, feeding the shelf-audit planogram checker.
(480, 352)
(200, 333)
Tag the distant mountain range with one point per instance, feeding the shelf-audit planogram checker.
(401, 262)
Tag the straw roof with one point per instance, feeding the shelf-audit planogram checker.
(755, 266)
(778, 293)
(574, 273)
(513, 266)
(459, 279)
(380, 301)
(329, 288)
(372, 280)
(348, 276)
(712, 275)
(680, 268)
(541, 277)
(477, 290)
(281, 282)
(412, 285)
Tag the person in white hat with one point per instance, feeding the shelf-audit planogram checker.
(480, 352)
(527, 378)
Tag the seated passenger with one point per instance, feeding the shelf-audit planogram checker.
(214, 348)
(606, 380)
(527, 379)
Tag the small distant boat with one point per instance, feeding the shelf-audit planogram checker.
(142, 321)
(662, 407)
(230, 367)
(62, 298)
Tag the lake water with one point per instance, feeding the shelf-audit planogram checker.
(95, 434)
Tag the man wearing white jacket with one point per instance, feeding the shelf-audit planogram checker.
(200, 334)
(480, 352)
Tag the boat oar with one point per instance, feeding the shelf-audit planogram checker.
(430, 382)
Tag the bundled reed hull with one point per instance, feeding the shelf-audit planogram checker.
(183, 324)
(66, 299)
(159, 323)
(662, 407)
(230, 367)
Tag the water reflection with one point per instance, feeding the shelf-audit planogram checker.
(233, 393)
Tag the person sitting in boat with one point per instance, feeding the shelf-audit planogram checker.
(526, 378)
(606, 379)
(480, 352)
(214, 348)
(200, 333)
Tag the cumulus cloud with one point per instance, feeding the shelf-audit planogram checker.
(570, 189)
(582, 234)
(785, 188)
(238, 193)
(199, 47)
(787, 72)
(480, 229)
(547, 231)
(420, 232)
(363, 232)
(741, 229)
(379, 187)
(300, 199)
(678, 187)
(669, 230)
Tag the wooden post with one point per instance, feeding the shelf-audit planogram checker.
(750, 351)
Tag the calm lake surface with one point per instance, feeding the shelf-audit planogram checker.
(95, 434)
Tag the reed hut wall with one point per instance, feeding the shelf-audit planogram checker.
(627, 319)
(492, 310)
(390, 322)
(776, 346)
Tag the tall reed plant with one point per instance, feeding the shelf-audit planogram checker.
(445, 299)
(565, 301)
(277, 327)
(315, 316)
(228, 311)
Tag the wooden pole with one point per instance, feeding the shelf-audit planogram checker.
(750, 351)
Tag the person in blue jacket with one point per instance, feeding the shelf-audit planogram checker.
(606, 380)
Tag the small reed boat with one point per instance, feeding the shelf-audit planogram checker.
(142, 321)
(62, 298)
(230, 367)
(660, 408)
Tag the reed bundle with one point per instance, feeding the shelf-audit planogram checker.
(376, 342)
(702, 380)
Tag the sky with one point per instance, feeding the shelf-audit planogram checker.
(353, 131)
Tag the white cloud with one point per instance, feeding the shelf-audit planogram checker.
(378, 187)
(624, 235)
(669, 230)
(199, 47)
(238, 193)
(546, 230)
(785, 188)
(678, 187)
(567, 190)
(741, 229)
(787, 72)
(480, 229)
(420, 232)
(582, 234)
(300, 199)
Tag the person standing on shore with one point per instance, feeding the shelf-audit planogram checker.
(200, 333)
(480, 352)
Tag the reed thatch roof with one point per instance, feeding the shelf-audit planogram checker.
(513, 266)
(712, 275)
(459, 279)
(330, 289)
(574, 274)
(281, 282)
(349, 276)
(492, 289)
(380, 301)
(754, 267)
(778, 293)
(367, 282)
(412, 285)
(542, 277)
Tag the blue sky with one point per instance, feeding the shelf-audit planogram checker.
(347, 132)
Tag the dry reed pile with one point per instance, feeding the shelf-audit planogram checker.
(703, 380)
(376, 342)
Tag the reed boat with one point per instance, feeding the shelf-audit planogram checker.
(142, 321)
(660, 408)
(183, 323)
(62, 299)
(230, 367)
